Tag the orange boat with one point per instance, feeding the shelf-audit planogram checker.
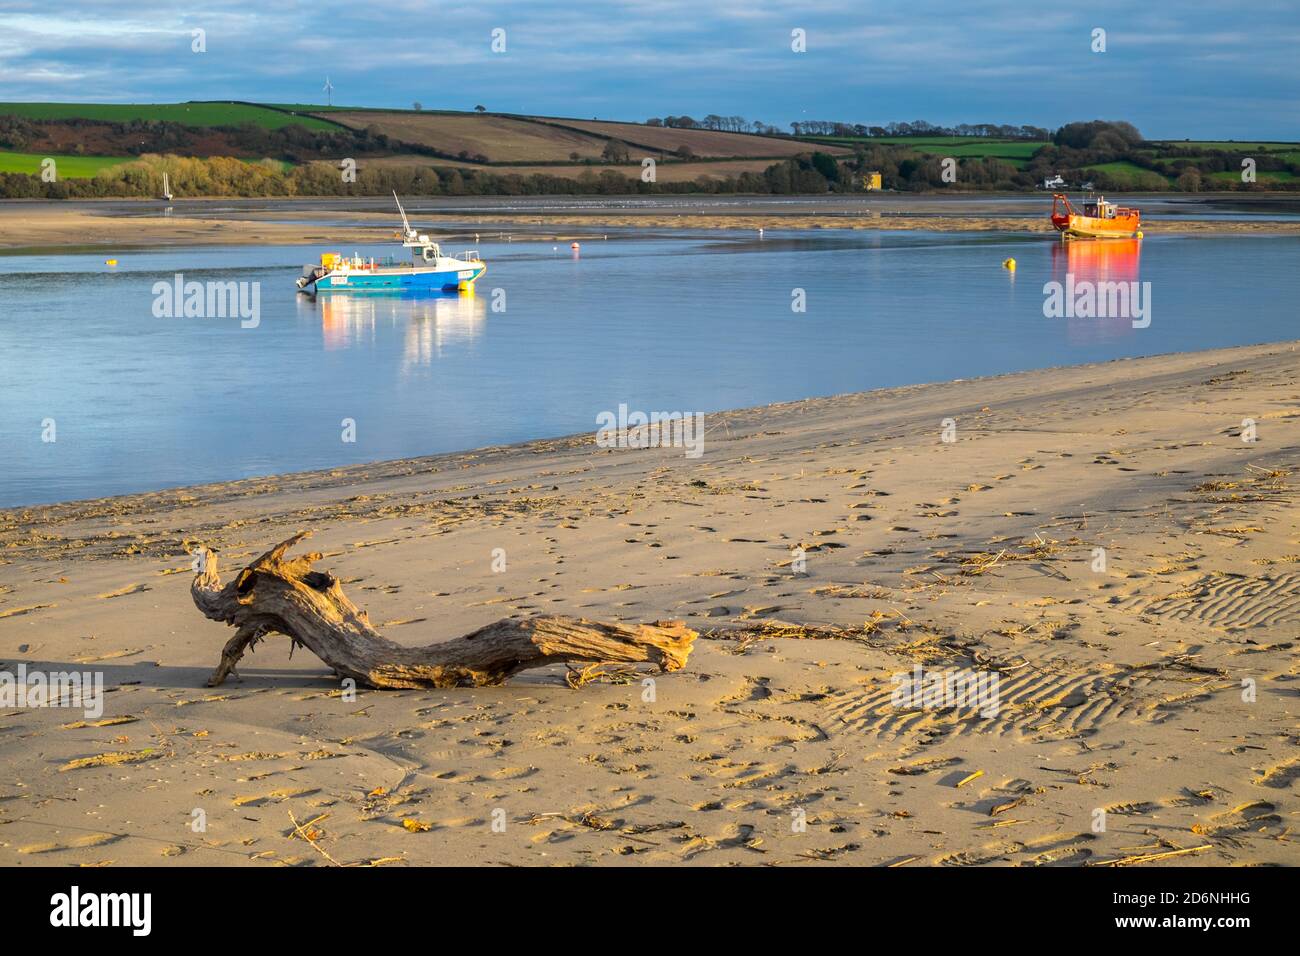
(1099, 219)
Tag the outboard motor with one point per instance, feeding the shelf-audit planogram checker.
(308, 279)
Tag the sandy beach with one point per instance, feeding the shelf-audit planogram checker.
(1146, 692)
(116, 225)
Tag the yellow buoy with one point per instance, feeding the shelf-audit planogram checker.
(1139, 234)
(110, 262)
(1009, 264)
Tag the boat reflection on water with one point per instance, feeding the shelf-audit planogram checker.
(429, 322)
(1098, 261)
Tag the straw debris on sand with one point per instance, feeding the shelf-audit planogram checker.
(1100, 546)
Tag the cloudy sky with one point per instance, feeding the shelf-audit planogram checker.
(1175, 68)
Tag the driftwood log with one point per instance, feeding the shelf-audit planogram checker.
(275, 594)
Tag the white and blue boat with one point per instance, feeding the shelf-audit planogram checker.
(428, 270)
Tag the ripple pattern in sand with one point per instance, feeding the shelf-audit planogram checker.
(1031, 704)
(1235, 601)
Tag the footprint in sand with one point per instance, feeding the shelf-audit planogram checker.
(272, 796)
(1064, 856)
(1258, 816)
(966, 858)
(757, 611)
(79, 843)
(920, 767)
(19, 611)
(1280, 776)
(1141, 808)
(123, 592)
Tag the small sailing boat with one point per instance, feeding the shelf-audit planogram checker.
(1098, 220)
(166, 190)
(427, 270)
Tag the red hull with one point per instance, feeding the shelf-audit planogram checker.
(1112, 222)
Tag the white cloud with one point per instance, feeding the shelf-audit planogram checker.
(997, 61)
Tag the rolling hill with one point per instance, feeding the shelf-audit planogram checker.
(506, 143)
(187, 114)
(496, 150)
(498, 139)
(524, 141)
(702, 143)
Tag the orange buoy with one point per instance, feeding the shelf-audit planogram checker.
(575, 246)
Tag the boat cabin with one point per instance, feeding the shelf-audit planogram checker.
(424, 249)
(1100, 209)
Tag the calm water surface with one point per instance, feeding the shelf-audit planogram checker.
(682, 323)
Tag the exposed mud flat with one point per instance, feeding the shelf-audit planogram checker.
(124, 224)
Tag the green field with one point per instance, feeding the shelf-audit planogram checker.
(1227, 145)
(315, 108)
(1128, 172)
(1014, 151)
(188, 114)
(1263, 176)
(67, 167)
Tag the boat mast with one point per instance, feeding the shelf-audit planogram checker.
(416, 240)
(407, 231)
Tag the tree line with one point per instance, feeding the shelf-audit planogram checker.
(738, 124)
(225, 176)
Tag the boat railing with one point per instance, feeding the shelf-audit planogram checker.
(367, 264)
(470, 255)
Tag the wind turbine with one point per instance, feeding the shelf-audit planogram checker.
(329, 92)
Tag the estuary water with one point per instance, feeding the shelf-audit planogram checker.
(101, 395)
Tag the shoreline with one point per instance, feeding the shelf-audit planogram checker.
(317, 479)
(1120, 677)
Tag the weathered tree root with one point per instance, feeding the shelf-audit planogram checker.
(285, 596)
